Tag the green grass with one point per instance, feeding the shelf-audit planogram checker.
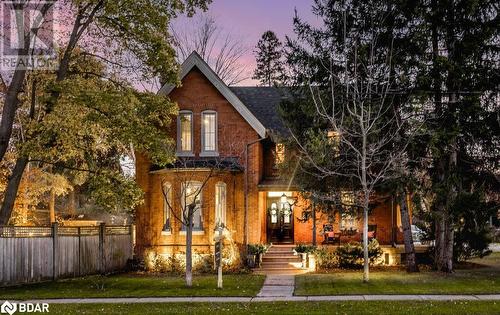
(132, 285)
(484, 279)
(367, 307)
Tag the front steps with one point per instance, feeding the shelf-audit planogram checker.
(280, 259)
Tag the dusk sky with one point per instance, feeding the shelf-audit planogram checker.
(249, 19)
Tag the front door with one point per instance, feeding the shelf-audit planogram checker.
(279, 220)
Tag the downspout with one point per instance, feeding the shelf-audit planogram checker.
(245, 222)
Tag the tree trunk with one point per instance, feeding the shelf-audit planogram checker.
(189, 256)
(72, 202)
(366, 266)
(411, 262)
(11, 190)
(444, 243)
(52, 206)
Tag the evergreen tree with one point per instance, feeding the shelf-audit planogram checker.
(459, 73)
(268, 55)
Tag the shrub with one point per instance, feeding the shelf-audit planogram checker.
(472, 232)
(349, 256)
(326, 259)
(257, 249)
(204, 263)
(304, 248)
(469, 244)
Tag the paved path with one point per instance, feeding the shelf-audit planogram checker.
(333, 298)
(278, 286)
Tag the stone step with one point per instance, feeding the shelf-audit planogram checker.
(296, 264)
(279, 271)
(282, 259)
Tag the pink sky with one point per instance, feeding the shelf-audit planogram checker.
(248, 19)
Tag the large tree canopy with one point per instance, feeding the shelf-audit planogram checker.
(85, 115)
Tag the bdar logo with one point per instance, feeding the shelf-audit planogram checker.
(8, 307)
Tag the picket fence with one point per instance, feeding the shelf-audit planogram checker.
(34, 254)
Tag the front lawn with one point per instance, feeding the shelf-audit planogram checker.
(365, 307)
(484, 279)
(135, 285)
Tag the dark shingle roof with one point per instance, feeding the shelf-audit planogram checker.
(263, 102)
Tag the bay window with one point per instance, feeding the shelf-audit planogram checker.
(167, 204)
(192, 194)
(220, 204)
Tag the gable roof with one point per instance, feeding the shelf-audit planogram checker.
(263, 102)
(195, 60)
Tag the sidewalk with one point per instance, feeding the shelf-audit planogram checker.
(331, 298)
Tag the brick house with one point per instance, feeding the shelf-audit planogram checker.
(237, 124)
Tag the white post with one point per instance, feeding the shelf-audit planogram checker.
(219, 269)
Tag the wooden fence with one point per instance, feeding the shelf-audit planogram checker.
(33, 254)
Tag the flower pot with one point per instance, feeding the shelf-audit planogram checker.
(258, 260)
(251, 260)
(303, 257)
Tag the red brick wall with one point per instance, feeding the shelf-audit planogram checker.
(234, 133)
(380, 216)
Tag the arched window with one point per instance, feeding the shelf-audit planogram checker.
(185, 133)
(192, 193)
(220, 204)
(167, 204)
(209, 133)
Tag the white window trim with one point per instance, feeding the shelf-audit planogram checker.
(203, 151)
(179, 151)
(224, 205)
(200, 195)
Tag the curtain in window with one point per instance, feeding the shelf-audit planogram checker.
(186, 122)
(167, 200)
(209, 131)
(220, 204)
(192, 193)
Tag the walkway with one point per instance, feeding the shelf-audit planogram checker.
(331, 298)
(278, 286)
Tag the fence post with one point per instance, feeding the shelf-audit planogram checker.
(79, 251)
(55, 251)
(102, 234)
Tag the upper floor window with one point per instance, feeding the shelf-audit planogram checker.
(167, 204)
(334, 140)
(192, 196)
(185, 132)
(279, 154)
(209, 132)
(220, 203)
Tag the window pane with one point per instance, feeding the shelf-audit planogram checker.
(192, 194)
(209, 130)
(279, 156)
(220, 203)
(166, 206)
(185, 130)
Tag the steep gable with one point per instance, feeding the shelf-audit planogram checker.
(194, 60)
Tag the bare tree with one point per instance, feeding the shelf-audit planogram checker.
(222, 50)
(182, 192)
(361, 145)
